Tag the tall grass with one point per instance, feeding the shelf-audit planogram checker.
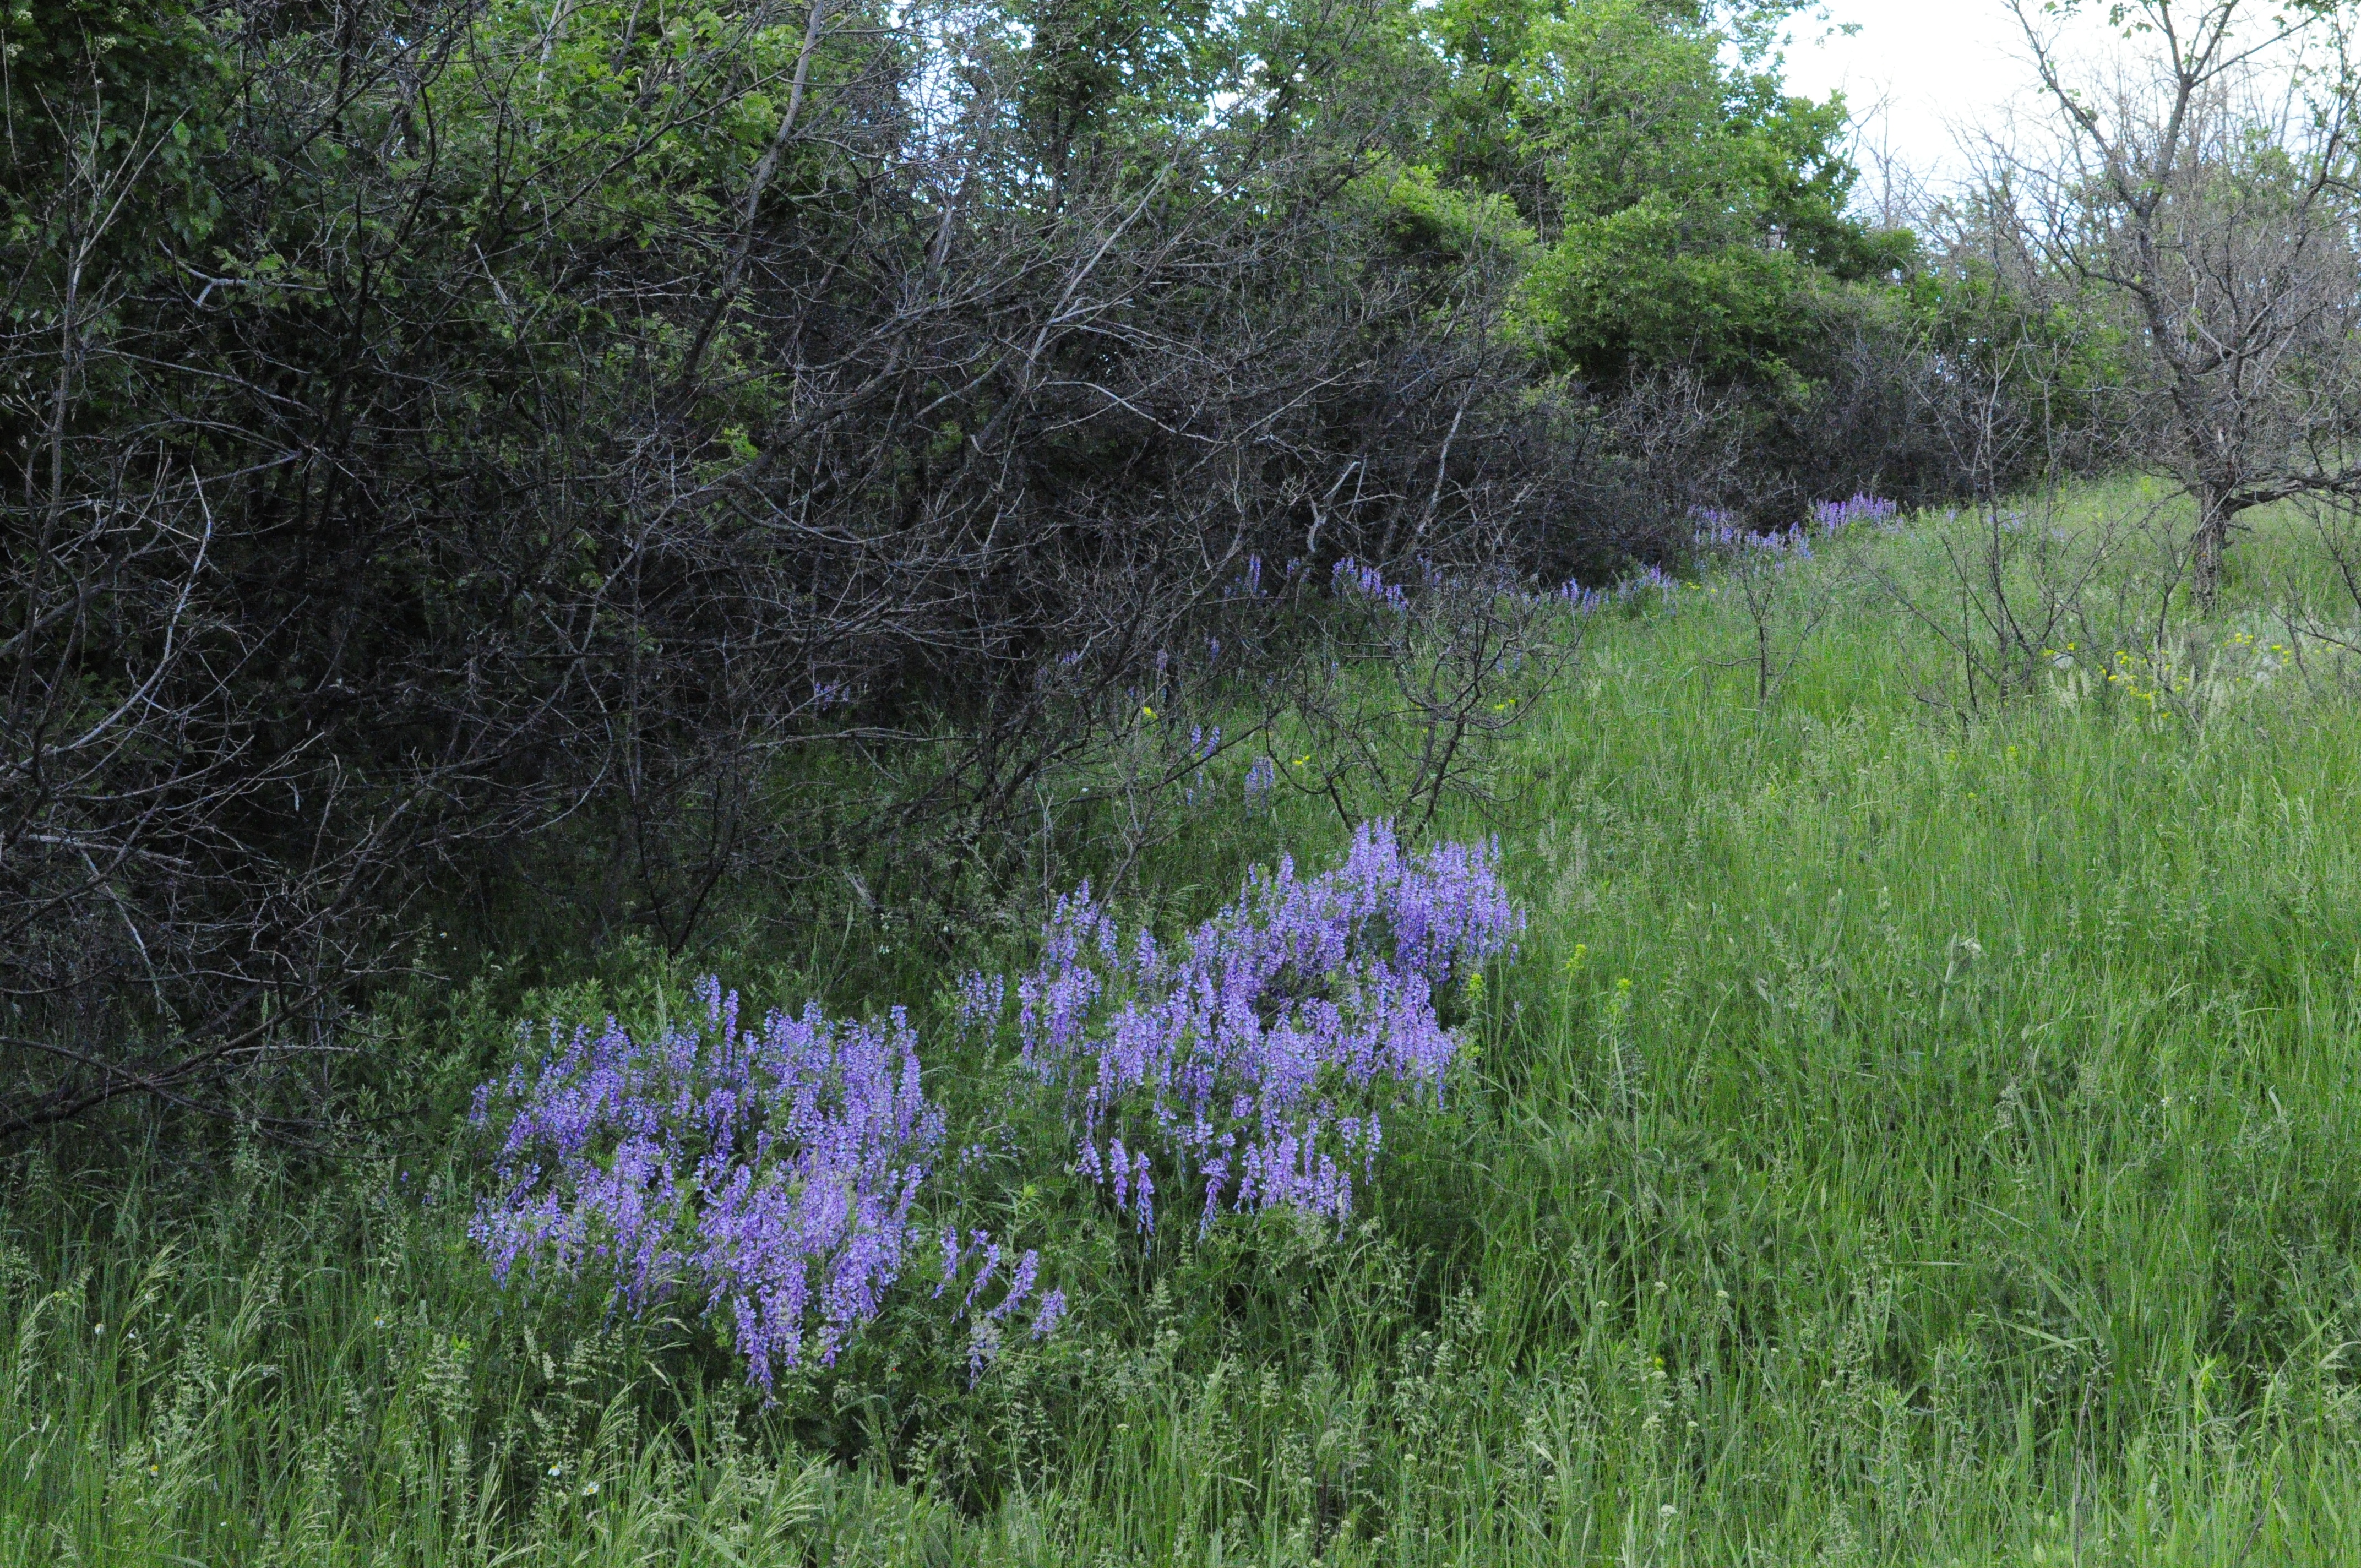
(1905, 1139)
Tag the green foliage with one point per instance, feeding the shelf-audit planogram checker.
(1098, 74)
(60, 55)
(1674, 206)
(1692, 208)
(1625, 292)
(1441, 225)
(109, 115)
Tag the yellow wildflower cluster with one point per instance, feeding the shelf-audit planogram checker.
(2130, 668)
(2278, 652)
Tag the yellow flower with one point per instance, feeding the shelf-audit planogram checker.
(1146, 711)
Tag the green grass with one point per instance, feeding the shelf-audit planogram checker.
(1905, 1137)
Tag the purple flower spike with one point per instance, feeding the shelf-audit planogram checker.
(1259, 780)
(1369, 585)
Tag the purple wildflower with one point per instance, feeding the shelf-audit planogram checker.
(1255, 1064)
(1369, 585)
(772, 1170)
(1720, 534)
(1650, 579)
(1835, 517)
(985, 1334)
(1260, 777)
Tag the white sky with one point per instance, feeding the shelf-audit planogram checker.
(1936, 65)
(1941, 68)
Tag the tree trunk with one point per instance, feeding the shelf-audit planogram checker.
(2213, 540)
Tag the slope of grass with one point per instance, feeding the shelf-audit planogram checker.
(1905, 1137)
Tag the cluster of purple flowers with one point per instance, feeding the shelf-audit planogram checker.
(986, 1322)
(1835, 517)
(1247, 584)
(773, 1170)
(1260, 779)
(1649, 580)
(1721, 534)
(1255, 1065)
(1355, 579)
(1203, 747)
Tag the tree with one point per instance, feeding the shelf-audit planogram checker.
(1689, 207)
(2211, 195)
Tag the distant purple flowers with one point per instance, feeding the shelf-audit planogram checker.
(1719, 533)
(774, 1171)
(1254, 1065)
(1260, 777)
(1835, 517)
(1648, 580)
(1356, 580)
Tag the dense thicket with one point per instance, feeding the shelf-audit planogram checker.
(627, 450)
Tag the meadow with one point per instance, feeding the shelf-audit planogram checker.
(1920, 1125)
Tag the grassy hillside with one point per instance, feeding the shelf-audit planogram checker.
(1922, 1126)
